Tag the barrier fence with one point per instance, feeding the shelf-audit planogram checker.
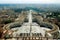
(29, 38)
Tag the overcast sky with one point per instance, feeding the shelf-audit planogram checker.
(31, 1)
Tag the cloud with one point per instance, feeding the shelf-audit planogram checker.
(29, 1)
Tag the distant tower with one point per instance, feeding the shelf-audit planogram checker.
(44, 16)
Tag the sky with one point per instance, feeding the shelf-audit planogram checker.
(31, 1)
